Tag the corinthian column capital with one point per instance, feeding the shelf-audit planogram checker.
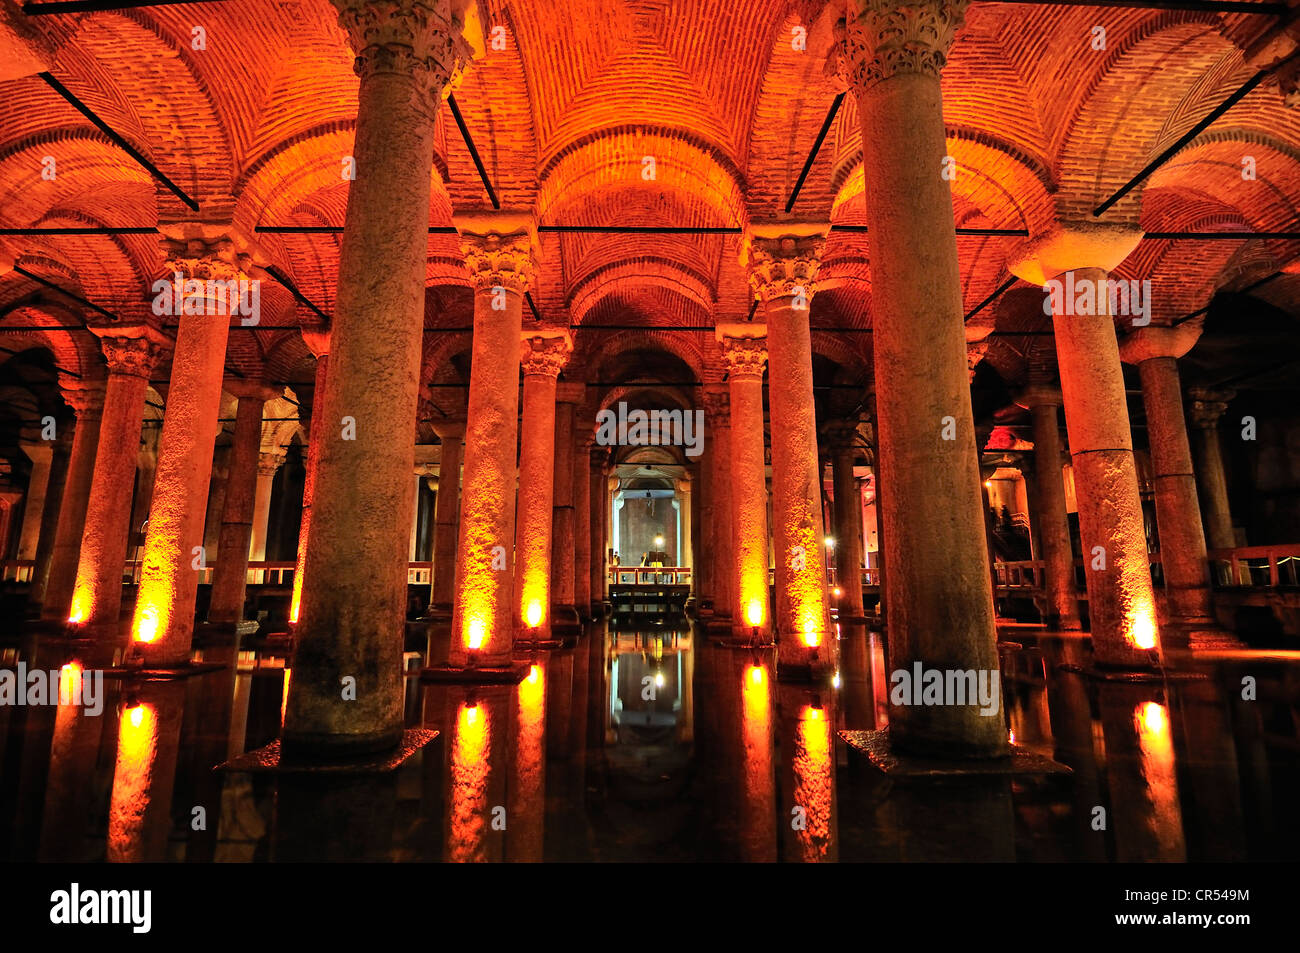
(885, 38)
(744, 348)
(1208, 406)
(417, 38)
(209, 252)
(132, 351)
(783, 258)
(545, 354)
(500, 250)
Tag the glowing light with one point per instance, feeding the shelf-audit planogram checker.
(133, 777)
(659, 541)
(69, 683)
(659, 679)
(814, 714)
(80, 606)
(754, 614)
(811, 637)
(1142, 633)
(534, 674)
(988, 484)
(756, 674)
(838, 591)
(534, 615)
(470, 714)
(813, 766)
(146, 629)
(1154, 719)
(470, 745)
(830, 542)
(835, 680)
(135, 716)
(476, 635)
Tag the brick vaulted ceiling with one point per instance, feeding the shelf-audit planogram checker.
(255, 127)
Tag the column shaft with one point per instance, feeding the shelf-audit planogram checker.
(445, 513)
(230, 578)
(538, 462)
(1053, 520)
(65, 556)
(582, 530)
(848, 531)
(41, 455)
(262, 494)
(720, 487)
(562, 588)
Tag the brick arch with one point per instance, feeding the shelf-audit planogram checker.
(684, 347)
(642, 271)
(1209, 170)
(74, 352)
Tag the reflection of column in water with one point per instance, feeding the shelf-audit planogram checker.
(807, 814)
(597, 695)
(758, 792)
(1248, 730)
(1207, 754)
(144, 773)
(527, 809)
(204, 742)
(879, 678)
(477, 760)
(73, 752)
(239, 714)
(963, 820)
(577, 744)
(1146, 814)
(332, 819)
(1070, 712)
(1028, 708)
(855, 677)
(559, 702)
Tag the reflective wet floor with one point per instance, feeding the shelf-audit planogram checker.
(662, 746)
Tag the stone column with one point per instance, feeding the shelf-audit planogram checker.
(599, 525)
(446, 508)
(744, 349)
(940, 605)
(146, 469)
(568, 397)
(682, 486)
(268, 462)
(229, 579)
(1051, 517)
(843, 437)
(721, 537)
(351, 624)
(1073, 262)
(499, 251)
(1156, 350)
(163, 624)
(582, 527)
(216, 503)
(86, 398)
(41, 455)
(50, 514)
(783, 263)
(318, 342)
(132, 355)
(1207, 407)
(543, 357)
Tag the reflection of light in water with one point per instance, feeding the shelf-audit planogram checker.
(137, 752)
(1156, 744)
(756, 723)
(284, 695)
(528, 803)
(469, 777)
(811, 761)
(879, 683)
(70, 684)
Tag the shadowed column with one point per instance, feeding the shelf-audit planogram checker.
(1208, 406)
(86, 398)
(1051, 516)
(940, 604)
(132, 354)
(568, 396)
(717, 406)
(744, 349)
(582, 526)
(446, 510)
(318, 342)
(352, 617)
(229, 579)
(843, 438)
(543, 357)
(163, 624)
(499, 252)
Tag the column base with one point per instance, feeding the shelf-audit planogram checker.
(565, 620)
(1104, 673)
(511, 674)
(334, 754)
(876, 748)
(437, 612)
(815, 671)
(163, 672)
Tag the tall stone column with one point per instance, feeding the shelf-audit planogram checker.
(940, 604)
(843, 437)
(543, 357)
(42, 456)
(86, 398)
(599, 525)
(1156, 350)
(351, 624)
(50, 514)
(446, 509)
(783, 263)
(1208, 406)
(582, 527)
(745, 351)
(163, 624)
(682, 486)
(1051, 517)
(722, 539)
(568, 396)
(268, 464)
(132, 354)
(229, 579)
(1073, 261)
(216, 503)
(499, 250)
(146, 470)
(318, 342)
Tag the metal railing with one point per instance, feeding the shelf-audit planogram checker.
(1256, 566)
(649, 575)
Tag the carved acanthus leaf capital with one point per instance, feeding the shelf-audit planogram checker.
(417, 38)
(545, 355)
(497, 260)
(784, 265)
(885, 38)
(745, 356)
(1208, 406)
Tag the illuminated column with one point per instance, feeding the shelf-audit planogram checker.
(146, 469)
(41, 455)
(683, 487)
(446, 508)
(599, 524)
(744, 347)
(86, 398)
(1121, 598)
(1207, 407)
(848, 515)
(543, 357)
(1051, 517)
(216, 503)
(318, 342)
(718, 461)
(499, 252)
(132, 354)
(1183, 555)
(940, 604)
(268, 462)
(230, 576)
(351, 623)
(163, 624)
(582, 527)
(562, 527)
(783, 263)
(50, 515)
